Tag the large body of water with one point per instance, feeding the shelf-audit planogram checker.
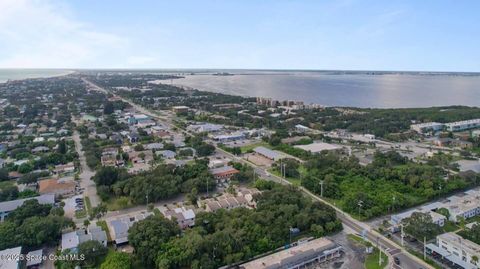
(354, 90)
(17, 74)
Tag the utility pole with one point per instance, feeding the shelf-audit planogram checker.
(378, 247)
(281, 168)
(424, 248)
(379, 255)
(321, 188)
(402, 235)
(290, 233)
(284, 171)
(207, 187)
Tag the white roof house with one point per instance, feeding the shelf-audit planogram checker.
(10, 263)
(73, 239)
(184, 217)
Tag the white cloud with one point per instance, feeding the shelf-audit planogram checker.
(40, 33)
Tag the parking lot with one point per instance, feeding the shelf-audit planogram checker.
(73, 204)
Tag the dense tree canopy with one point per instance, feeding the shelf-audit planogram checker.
(420, 225)
(226, 237)
(148, 236)
(391, 182)
(32, 225)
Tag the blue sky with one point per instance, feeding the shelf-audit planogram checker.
(265, 34)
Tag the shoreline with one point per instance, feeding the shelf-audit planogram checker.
(33, 75)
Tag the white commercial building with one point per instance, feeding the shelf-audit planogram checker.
(319, 147)
(204, 128)
(304, 255)
(457, 250)
(463, 125)
(437, 218)
(427, 127)
(466, 205)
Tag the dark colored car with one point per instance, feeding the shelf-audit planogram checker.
(396, 260)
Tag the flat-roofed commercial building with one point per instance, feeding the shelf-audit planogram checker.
(465, 205)
(268, 153)
(456, 249)
(427, 127)
(319, 147)
(462, 125)
(301, 256)
(437, 218)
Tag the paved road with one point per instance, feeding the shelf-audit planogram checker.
(86, 175)
(407, 260)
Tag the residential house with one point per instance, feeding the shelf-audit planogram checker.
(166, 154)
(8, 206)
(145, 156)
(64, 168)
(184, 217)
(10, 258)
(224, 173)
(119, 227)
(71, 240)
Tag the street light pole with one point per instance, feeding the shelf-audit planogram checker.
(360, 204)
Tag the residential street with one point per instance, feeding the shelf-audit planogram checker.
(86, 174)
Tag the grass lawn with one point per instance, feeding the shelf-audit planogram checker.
(88, 205)
(250, 147)
(114, 203)
(371, 260)
(81, 214)
(8, 183)
(450, 227)
(293, 180)
(103, 224)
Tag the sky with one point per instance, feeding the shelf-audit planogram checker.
(427, 35)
